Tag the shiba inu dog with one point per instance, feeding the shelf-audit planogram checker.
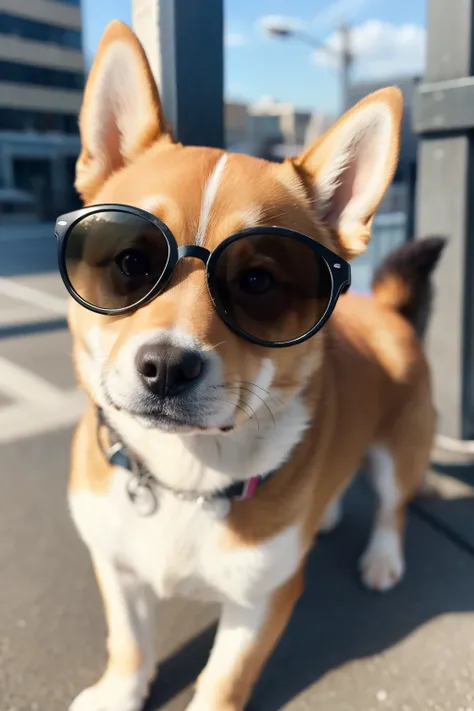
(234, 388)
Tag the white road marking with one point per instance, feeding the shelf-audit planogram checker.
(35, 297)
(23, 420)
(21, 384)
(38, 406)
(22, 315)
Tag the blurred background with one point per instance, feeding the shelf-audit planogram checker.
(263, 77)
(286, 80)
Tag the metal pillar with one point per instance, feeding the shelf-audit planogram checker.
(444, 118)
(347, 60)
(184, 43)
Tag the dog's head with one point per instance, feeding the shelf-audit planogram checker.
(173, 363)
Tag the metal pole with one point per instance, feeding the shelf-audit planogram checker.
(345, 57)
(183, 40)
(346, 65)
(444, 117)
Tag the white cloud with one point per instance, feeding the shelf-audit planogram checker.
(339, 11)
(270, 22)
(381, 49)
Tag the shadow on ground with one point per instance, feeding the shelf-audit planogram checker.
(336, 620)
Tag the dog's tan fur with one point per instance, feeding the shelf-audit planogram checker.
(363, 379)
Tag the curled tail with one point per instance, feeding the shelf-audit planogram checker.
(403, 280)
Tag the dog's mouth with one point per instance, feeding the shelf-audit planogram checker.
(171, 416)
(186, 424)
(161, 416)
(156, 418)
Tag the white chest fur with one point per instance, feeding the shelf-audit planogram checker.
(182, 549)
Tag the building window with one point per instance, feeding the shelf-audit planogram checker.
(42, 31)
(41, 121)
(17, 73)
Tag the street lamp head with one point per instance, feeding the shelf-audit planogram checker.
(280, 31)
(276, 27)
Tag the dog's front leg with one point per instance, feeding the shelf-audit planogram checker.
(245, 638)
(129, 608)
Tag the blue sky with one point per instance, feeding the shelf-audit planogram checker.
(388, 38)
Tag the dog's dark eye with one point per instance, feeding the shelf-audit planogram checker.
(133, 263)
(255, 282)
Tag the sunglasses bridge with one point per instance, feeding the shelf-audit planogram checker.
(194, 251)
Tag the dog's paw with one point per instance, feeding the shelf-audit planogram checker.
(382, 566)
(113, 693)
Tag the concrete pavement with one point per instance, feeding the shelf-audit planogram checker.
(345, 650)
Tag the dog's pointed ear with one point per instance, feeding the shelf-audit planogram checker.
(121, 114)
(350, 167)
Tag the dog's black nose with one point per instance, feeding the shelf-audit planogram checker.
(167, 370)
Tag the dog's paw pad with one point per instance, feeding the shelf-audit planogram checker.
(382, 565)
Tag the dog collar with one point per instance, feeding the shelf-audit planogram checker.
(141, 484)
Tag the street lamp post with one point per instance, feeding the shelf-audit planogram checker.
(344, 57)
(347, 60)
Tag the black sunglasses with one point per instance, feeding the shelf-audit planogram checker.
(272, 286)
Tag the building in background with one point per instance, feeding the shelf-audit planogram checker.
(271, 129)
(253, 128)
(274, 124)
(41, 83)
(236, 126)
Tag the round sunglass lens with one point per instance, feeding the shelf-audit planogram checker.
(113, 259)
(274, 288)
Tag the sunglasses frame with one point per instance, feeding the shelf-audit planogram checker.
(339, 269)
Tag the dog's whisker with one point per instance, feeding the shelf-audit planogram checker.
(248, 390)
(267, 392)
(254, 385)
(252, 416)
(262, 399)
(213, 348)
